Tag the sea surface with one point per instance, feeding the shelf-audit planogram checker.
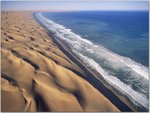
(115, 43)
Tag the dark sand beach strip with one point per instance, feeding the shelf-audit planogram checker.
(117, 98)
(94, 78)
(40, 74)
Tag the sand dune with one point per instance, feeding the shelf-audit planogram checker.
(37, 75)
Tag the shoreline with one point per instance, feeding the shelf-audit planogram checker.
(93, 77)
(38, 76)
(39, 73)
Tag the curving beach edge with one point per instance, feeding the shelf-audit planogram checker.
(38, 74)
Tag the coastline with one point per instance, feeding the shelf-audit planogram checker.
(37, 73)
(123, 102)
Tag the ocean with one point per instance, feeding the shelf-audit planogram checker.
(114, 43)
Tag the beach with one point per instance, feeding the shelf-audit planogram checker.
(37, 75)
(96, 60)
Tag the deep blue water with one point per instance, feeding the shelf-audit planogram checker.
(115, 44)
(125, 33)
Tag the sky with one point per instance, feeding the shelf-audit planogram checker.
(67, 5)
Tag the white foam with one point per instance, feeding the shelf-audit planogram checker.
(135, 96)
(112, 57)
(81, 45)
(115, 59)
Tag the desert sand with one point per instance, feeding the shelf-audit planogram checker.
(37, 75)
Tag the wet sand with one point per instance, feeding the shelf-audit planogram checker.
(38, 76)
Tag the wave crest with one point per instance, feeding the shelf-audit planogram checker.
(120, 72)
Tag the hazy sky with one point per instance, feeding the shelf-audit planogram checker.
(75, 5)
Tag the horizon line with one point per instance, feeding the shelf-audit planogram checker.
(74, 10)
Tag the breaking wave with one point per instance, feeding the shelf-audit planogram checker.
(122, 73)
